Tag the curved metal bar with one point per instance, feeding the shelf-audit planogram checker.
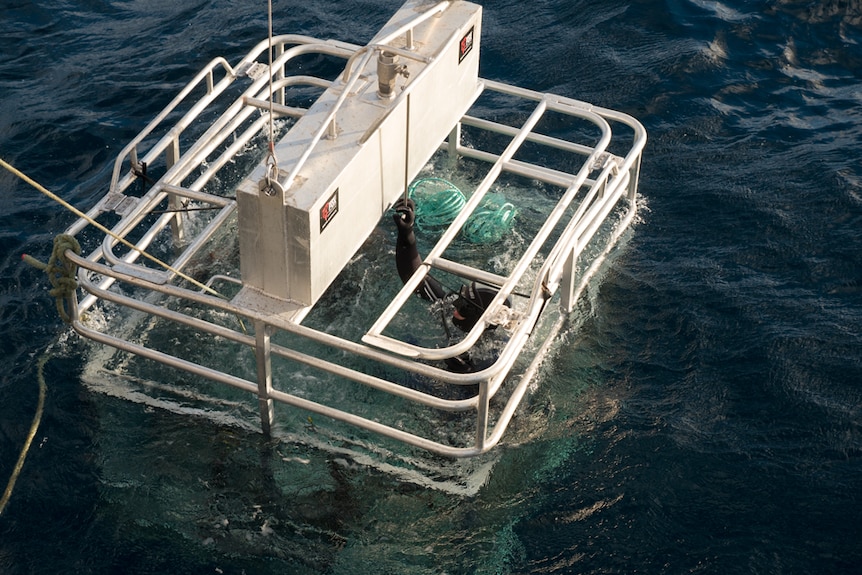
(205, 73)
(375, 335)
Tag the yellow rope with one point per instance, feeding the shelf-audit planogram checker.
(37, 418)
(61, 271)
(102, 228)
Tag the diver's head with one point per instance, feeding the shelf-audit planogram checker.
(472, 301)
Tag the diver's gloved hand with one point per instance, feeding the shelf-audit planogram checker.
(405, 214)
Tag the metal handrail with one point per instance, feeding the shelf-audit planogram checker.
(230, 119)
(349, 81)
(212, 92)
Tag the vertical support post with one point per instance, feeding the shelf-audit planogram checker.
(567, 291)
(72, 306)
(279, 75)
(453, 141)
(262, 352)
(172, 154)
(482, 415)
(407, 149)
(634, 175)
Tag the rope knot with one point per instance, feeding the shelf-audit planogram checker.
(61, 271)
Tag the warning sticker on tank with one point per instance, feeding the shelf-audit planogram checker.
(465, 45)
(329, 209)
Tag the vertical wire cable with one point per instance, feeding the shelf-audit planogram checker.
(271, 161)
(271, 123)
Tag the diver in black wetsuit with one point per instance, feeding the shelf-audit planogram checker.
(472, 299)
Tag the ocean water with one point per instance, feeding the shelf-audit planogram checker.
(705, 412)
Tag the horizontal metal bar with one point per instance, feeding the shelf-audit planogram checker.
(465, 271)
(280, 396)
(375, 335)
(164, 358)
(290, 327)
(197, 195)
(278, 109)
(281, 351)
(542, 139)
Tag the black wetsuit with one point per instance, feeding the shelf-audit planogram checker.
(407, 255)
(470, 303)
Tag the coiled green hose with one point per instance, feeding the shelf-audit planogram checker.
(491, 220)
(439, 201)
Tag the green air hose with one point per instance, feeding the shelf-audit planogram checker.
(490, 222)
(439, 201)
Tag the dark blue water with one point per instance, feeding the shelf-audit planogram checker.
(708, 407)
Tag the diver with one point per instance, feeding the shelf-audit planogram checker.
(472, 299)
